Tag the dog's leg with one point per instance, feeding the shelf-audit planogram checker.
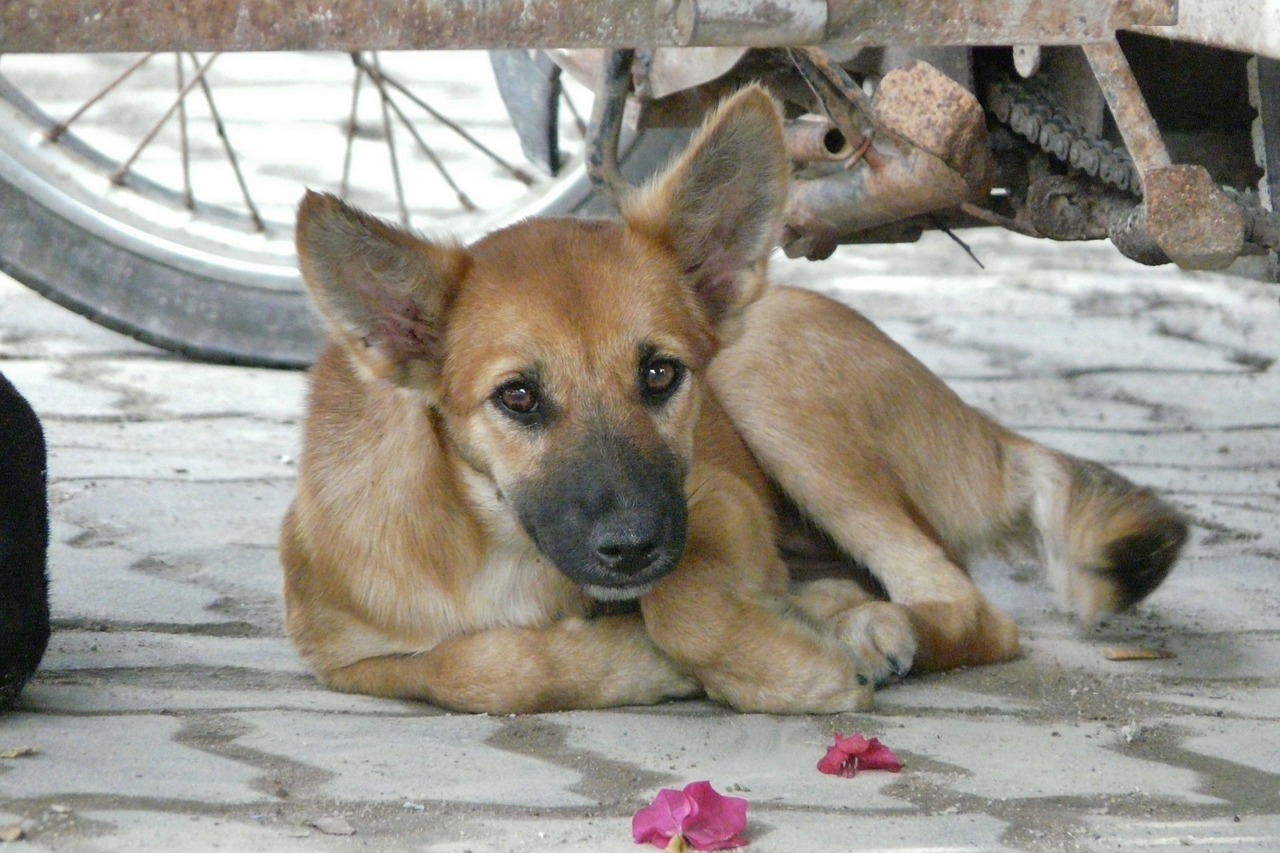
(726, 612)
(860, 435)
(574, 663)
(955, 624)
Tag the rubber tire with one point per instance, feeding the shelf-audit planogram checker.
(201, 317)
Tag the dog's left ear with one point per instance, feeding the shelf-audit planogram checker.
(720, 206)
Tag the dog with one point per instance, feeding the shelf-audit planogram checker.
(24, 543)
(577, 463)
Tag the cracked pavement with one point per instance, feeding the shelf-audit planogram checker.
(171, 713)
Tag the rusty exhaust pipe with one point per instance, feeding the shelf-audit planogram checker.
(815, 139)
(892, 183)
(929, 153)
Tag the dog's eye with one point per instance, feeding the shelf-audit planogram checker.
(660, 378)
(518, 398)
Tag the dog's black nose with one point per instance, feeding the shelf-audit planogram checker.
(627, 543)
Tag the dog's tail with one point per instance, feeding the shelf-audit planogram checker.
(1105, 542)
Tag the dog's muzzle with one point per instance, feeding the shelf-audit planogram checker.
(611, 519)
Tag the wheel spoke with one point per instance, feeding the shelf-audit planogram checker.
(463, 199)
(118, 177)
(389, 131)
(188, 198)
(254, 216)
(353, 126)
(61, 127)
(511, 169)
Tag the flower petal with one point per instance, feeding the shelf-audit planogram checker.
(657, 824)
(853, 744)
(835, 762)
(717, 821)
(850, 754)
(879, 757)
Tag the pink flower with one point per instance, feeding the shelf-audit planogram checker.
(850, 754)
(696, 818)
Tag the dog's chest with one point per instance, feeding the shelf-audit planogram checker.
(516, 584)
(519, 586)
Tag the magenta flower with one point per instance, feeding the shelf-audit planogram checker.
(697, 818)
(850, 754)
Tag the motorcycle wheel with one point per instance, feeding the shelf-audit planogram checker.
(163, 209)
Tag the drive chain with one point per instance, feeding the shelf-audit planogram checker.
(1033, 116)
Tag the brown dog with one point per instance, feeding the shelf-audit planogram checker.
(570, 412)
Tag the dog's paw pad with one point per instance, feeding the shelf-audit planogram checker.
(881, 637)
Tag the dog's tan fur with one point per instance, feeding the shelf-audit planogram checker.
(799, 433)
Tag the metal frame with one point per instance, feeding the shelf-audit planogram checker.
(60, 26)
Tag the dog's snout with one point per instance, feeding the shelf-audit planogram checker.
(627, 543)
(612, 518)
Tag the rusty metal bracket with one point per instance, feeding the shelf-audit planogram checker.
(1188, 215)
(1128, 106)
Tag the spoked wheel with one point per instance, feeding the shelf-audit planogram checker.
(155, 194)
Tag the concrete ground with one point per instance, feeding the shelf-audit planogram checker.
(172, 714)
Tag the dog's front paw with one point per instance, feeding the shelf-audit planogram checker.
(881, 637)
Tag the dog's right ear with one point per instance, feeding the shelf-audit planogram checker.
(384, 291)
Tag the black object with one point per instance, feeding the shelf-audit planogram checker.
(24, 543)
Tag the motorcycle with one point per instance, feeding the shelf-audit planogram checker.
(1152, 124)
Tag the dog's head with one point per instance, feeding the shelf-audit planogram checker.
(565, 357)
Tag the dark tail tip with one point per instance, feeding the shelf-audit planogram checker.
(1138, 562)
